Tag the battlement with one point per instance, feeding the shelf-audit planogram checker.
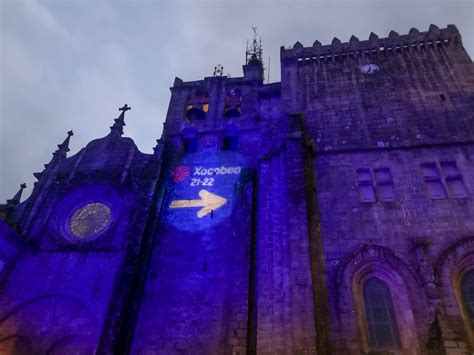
(374, 46)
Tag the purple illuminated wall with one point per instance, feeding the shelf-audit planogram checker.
(260, 216)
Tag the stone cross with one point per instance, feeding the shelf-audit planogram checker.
(125, 108)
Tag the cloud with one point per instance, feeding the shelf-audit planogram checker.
(54, 80)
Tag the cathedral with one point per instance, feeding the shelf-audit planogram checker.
(329, 213)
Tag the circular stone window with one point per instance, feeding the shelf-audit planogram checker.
(90, 220)
(86, 213)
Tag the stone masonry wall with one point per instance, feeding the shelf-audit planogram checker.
(349, 225)
(196, 293)
(284, 295)
(421, 94)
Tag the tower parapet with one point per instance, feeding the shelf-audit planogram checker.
(382, 92)
(374, 46)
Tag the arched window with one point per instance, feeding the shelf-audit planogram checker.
(467, 291)
(197, 105)
(233, 103)
(381, 321)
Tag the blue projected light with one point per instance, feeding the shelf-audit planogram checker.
(202, 189)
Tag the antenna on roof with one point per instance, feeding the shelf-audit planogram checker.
(254, 51)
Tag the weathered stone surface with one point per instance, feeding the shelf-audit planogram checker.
(173, 270)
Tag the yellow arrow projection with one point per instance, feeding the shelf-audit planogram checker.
(209, 202)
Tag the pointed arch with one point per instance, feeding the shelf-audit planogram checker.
(451, 268)
(16, 344)
(46, 318)
(374, 261)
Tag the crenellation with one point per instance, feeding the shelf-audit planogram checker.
(394, 43)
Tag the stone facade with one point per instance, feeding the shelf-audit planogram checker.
(261, 216)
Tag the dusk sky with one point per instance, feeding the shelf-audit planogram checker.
(71, 64)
